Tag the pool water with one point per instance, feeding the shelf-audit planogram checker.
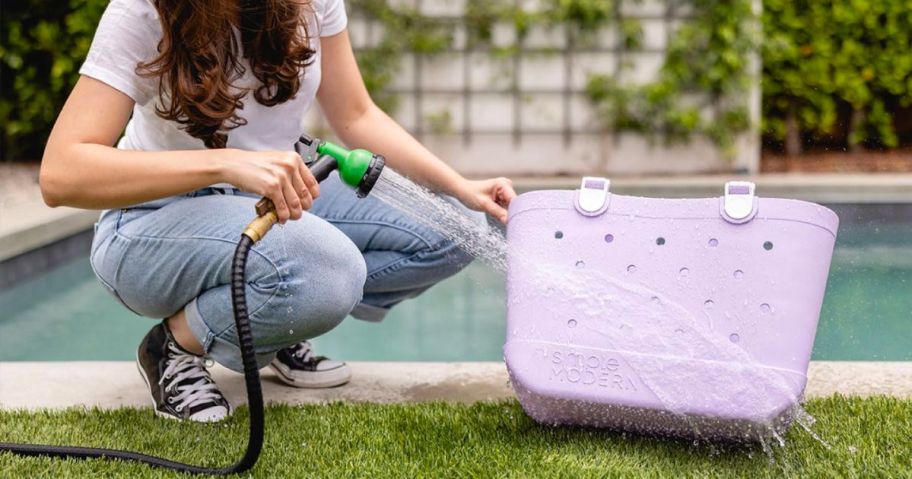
(867, 315)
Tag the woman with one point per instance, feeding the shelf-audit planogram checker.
(218, 90)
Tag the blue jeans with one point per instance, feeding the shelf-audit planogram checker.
(346, 256)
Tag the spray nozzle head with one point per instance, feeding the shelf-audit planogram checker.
(357, 168)
(369, 179)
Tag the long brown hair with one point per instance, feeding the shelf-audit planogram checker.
(198, 62)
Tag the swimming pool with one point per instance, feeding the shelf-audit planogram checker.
(65, 314)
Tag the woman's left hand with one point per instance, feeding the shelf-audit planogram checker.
(492, 196)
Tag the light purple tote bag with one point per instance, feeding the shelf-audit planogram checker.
(673, 316)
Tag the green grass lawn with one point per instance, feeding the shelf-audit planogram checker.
(867, 437)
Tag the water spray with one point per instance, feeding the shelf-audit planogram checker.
(360, 170)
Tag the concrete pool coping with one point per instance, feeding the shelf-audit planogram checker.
(30, 224)
(112, 384)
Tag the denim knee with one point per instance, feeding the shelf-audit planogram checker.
(314, 294)
(453, 257)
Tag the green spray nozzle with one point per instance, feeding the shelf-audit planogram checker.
(357, 168)
(353, 164)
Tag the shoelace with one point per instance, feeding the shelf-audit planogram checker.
(187, 366)
(303, 351)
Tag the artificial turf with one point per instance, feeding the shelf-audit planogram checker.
(866, 438)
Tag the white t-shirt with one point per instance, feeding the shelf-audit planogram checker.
(129, 32)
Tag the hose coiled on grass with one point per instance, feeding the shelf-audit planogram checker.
(363, 170)
(251, 378)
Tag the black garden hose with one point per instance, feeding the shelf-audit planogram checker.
(251, 378)
(362, 169)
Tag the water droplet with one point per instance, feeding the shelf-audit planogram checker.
(609, 238)
(580, 264)
(766, 309)
(738, 274)
(632, 268)
(708, 304)
(656, 300)
(290, 331)
(734, 337)
(571, 323)
(684, 272)
(713, 242)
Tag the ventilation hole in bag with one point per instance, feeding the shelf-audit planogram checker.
(766, 309)
(733, 337)
(558, 234)
(632, 268)
(768, 245)
(609, 238)
(571, 323)
(713, 242)
(660, 241)
(738, 274)
(580, 264)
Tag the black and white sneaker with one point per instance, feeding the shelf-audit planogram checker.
(298, 366)
(178, 380)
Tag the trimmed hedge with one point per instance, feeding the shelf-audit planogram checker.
(833, 71)
(43, 44)
(837, 71)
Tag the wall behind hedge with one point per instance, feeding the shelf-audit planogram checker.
(835, 72)
(570, 86)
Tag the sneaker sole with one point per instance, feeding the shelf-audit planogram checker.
(164, 414)
(314, 380)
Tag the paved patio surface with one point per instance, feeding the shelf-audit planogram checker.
(26, 223)
(54, 385)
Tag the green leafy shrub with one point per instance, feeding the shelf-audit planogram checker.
(43, 45)
(708, 55)
(831, 69)
(823, 57)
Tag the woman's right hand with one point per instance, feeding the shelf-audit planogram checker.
(280, 176)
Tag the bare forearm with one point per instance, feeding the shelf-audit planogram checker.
(86, 175)
(359, 123)
(374, 130)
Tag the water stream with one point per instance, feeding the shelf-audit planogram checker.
(605, 301)
(473, 235)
